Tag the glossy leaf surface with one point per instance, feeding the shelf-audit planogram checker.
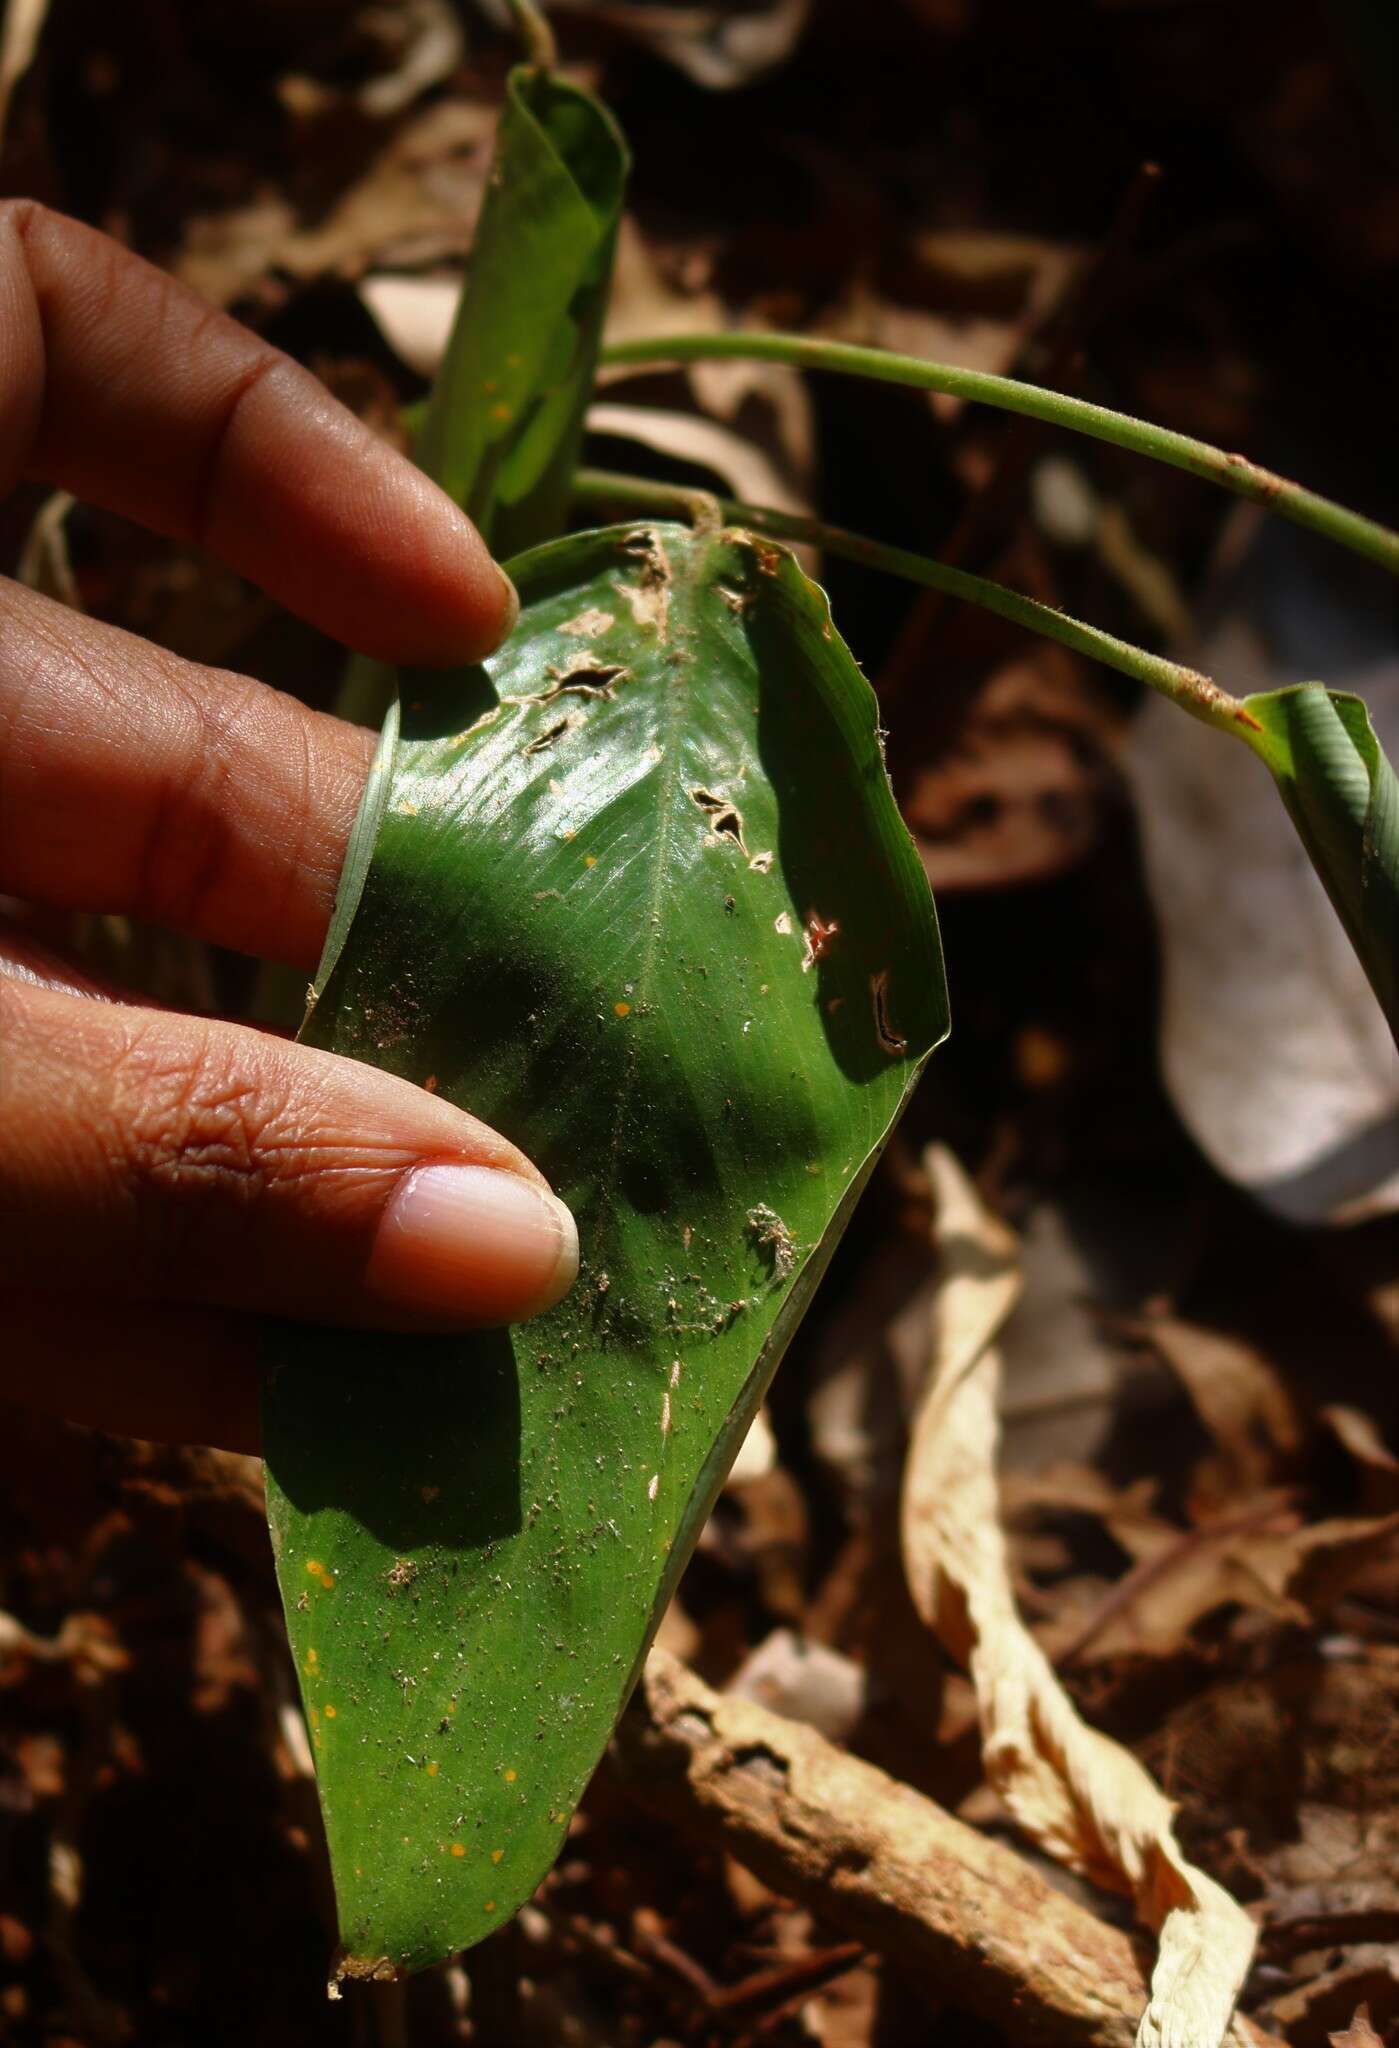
(640, 898)
(502, 427)
(505, 419)
(1341, 793)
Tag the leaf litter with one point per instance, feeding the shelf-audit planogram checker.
(1214, 1577)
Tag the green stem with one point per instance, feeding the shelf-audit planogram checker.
(1184, 686)
(1234, 472)
(535, 33)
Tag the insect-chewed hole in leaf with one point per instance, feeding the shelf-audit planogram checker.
(820, 935)
(725, 819)
(553, 733)
(548, 1480)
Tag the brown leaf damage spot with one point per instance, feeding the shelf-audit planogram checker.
(649, 596)
(362, 1970)
(892, 1041)
(589, 624)
(820, 936)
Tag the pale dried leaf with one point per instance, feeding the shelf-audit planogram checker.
(1081, 1797)
(757, 1454)
(414, 315)
(804, 1681)
(1273, 1048)
(721, 47)
(44, 563)
(19, 39)
(414, 207)
(1359, 2034)
(689, 437)
(1358, 1433)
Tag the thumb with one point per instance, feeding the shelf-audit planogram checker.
(159, 1156)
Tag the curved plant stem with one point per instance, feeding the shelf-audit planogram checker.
(535, 33)
(1194, 693)
(1233, 472)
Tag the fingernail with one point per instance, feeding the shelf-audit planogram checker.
(473, 1244)
(512, 606)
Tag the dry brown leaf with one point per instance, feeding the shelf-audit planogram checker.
(767, 403)
(1081, 1797)
(1020, 796)
(1358, 1434)
(970, 299)
(1262, 1559)
(721, 47)
(650, 298)
(689, 437)
(1368, 1974)
(415, 206)
(870, 1359)
(1239, 1398)
(1359, 2034)
(1126, 1512)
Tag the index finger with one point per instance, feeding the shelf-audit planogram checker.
(122, 386)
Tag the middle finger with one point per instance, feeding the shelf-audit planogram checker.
(132, 781)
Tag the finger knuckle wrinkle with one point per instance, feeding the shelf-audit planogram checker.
(189, 846)
(205, 1133)
(210, 1134)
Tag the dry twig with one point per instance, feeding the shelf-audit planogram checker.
(883, 1864)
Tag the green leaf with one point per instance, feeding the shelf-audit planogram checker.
(1341, 792)
(505, 419)
(589, 919)
(503, 425)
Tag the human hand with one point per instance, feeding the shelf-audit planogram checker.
(165, 1179)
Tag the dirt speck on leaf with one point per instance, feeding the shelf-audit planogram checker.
(773, 1239)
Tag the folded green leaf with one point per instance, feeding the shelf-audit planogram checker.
(1343, 798)
(506, 415)
(503, 425)
(642, 899)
